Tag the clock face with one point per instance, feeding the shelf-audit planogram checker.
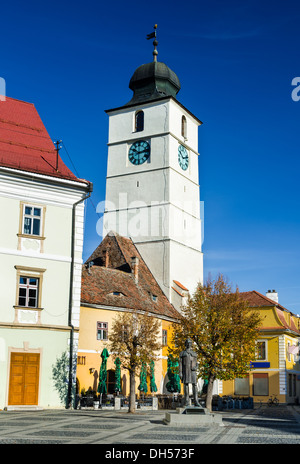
(183, 157)
(139, 152)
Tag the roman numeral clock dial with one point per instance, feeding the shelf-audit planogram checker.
(139, 152)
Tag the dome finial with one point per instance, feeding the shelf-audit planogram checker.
(155, 43)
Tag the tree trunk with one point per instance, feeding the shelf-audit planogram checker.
(208, 403)
(132, 391)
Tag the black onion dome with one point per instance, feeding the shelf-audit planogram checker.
(153, 80)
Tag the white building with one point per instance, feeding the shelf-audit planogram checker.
(152, 187)
(41, 241)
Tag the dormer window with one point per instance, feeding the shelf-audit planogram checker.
(183, 127)
(116, 293)
(139, 121)
(153, 297)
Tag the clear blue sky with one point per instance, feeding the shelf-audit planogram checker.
(235, 61)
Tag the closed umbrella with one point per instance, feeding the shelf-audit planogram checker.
(143, 379)
(103, 373)
(118, 375)
(173, 385)
(153, 386)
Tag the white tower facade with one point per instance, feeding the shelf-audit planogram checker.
(152, 186)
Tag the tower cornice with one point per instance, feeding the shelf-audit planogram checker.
(148, 103)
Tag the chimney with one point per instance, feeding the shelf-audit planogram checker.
(90, 264)
(135, 267)
(106, 257)
(273, 295)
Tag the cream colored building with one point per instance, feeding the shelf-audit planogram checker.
(41, 241)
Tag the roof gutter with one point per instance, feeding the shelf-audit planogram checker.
(70, 382)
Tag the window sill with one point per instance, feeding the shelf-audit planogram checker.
(28, 308)
(36, 237)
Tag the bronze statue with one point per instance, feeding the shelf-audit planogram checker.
(188, 372)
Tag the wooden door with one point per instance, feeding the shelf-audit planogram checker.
(24, 379)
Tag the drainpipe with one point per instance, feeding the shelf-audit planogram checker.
(69, 399)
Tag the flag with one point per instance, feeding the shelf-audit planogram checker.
(151, 36)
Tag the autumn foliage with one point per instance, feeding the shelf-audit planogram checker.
(134, 338)
(224, 330)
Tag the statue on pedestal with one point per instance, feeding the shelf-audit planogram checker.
(188, 372)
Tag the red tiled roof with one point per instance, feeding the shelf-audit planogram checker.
(25, 143)
(256, 299)
(99, 282)
(180, 285)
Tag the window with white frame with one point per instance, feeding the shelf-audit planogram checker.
(102, 330)
(32, 217)
(28, 291)
(261, 350)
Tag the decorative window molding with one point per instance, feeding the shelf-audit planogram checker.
(261, 350)
(102, 331)
(29, 285)
(31, 223)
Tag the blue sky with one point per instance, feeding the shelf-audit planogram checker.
(235, 61)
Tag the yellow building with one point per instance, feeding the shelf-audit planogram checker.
(276, 371)
(115, 279)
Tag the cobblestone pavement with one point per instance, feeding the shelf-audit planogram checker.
(263, 425)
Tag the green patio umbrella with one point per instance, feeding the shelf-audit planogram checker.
(173, 386)
(153, 387)
(103, 372)
(118, 375)
(143, 379)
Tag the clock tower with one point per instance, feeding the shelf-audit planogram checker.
(152, 185)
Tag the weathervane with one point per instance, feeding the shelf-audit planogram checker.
(155, 43)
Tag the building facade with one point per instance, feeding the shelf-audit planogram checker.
(41, 241)
(276, 371)
(116, 279)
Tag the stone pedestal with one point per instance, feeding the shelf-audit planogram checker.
(117, 403)
(191, 417)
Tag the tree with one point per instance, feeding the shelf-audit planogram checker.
(134, 339)
(60, 376)
(224, 330)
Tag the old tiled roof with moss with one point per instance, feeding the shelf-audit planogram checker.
(108, 280)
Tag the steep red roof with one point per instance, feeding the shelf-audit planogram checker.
(112, 273)
(256, 299)
(25, 143)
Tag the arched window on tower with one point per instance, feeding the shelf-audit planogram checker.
(183, 126)
(139, 121)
